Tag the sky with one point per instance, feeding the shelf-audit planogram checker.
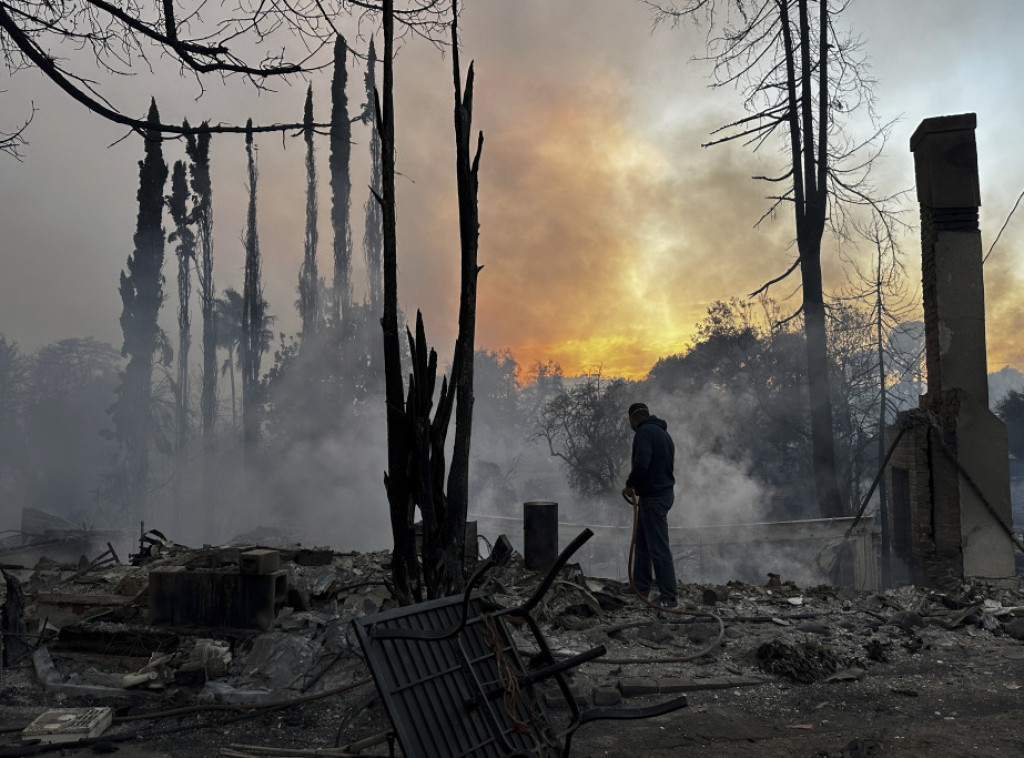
(606, 229)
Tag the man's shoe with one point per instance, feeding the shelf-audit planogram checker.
(664, 603)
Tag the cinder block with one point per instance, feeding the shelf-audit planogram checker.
(259, 562)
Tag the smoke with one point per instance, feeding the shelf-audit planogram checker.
(1004, 316)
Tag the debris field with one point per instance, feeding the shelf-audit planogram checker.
(799, 671)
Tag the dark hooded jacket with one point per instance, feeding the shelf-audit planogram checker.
(653, 459)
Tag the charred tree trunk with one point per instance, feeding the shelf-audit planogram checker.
(341, 191)
(197, 146)
(373, 243)
(185, 250)
(404, 569)
(427, 462)
(467, 172)
(309, 277)
(253, 319)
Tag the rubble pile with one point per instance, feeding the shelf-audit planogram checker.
(300, 681)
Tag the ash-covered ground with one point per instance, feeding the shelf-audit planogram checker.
(799, 671)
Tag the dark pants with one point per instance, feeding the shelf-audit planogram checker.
(652, 549)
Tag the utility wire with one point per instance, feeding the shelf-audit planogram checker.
(1012, 210)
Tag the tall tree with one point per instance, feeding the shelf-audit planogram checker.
(142, 295)
(177, 203)
(197, 147)
(884, 287)
(797, 75)
(404, 568)
(467, 170)
(341, 188)
(416, 442)
(253, 319)
(309, 278)
(373, 241)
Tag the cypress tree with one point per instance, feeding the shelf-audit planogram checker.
(197, 146)
(341, 188)
(373, 240)
(308, 275)
(185, 250)
(253, 317)
(141, 289)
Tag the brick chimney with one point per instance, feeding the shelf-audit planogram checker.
(949, 477)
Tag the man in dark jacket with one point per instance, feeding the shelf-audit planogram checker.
(651, 480)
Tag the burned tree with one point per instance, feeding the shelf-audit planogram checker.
(253, 320)
(341, 188)
(404, 568)
(309, 278)
(416, 463)
(373, 242)
(798, 75)
(185, 251)
(467, 171)
(142, 295)
(120, 34)
(197, 147)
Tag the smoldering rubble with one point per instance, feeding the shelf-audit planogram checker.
(294, 679)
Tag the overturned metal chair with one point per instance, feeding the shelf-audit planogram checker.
(455, 684)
